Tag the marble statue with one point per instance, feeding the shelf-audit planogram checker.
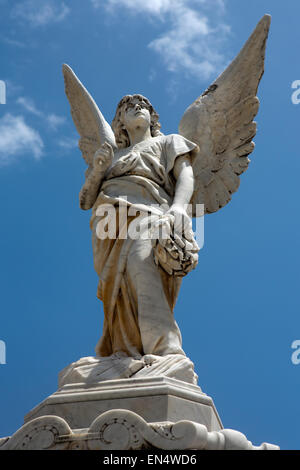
(140, 390)
(160, 178)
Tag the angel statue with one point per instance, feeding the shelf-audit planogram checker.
(132, 165)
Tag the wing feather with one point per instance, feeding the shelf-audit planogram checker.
(220, 121)
(89, 121)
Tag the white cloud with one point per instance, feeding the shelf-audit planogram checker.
(29, 105)
(12, 42)
(53, 120)
(155, 7)
(18, 138)
(68, 143)
(39, 13)
(194, 32)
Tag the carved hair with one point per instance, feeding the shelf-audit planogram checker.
(121, 134)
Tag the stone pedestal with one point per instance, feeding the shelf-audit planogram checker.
(155, 399)
(150, 409)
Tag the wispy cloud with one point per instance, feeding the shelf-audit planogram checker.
(68, 143)
(17, 138)
(40, 13)
(12, 42)
(52, 120)
(55, 121)
(156, 7)
(29, 105)
(194, 31)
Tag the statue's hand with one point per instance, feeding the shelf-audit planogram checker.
(103, 157)
(182, 221)
(175, 249)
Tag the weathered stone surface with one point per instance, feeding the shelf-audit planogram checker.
(124, 430)
(155, 399)
(91, 370)
(132, 163)
(141, 391)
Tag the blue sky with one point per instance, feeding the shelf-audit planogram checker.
(239, 311)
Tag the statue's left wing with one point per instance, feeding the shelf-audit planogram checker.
(93, 129)
(220, 121)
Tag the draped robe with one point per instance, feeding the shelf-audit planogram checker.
(138, 296)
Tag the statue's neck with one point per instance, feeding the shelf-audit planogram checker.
(138, 135)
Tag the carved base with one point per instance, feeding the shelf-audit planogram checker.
(124, 430)
(155, 399)
(146, 411)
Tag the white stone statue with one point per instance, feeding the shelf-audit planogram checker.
(132, 165)
(140, 391)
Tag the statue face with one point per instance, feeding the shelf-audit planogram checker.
(136, 114)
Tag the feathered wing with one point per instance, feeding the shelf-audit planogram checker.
(220, 121)
(89, 121)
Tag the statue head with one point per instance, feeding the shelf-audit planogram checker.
(118, 125)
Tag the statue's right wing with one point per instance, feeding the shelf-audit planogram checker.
(93, 129)
(221, 122)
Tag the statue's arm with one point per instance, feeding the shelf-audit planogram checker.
(183, 172)
(90, 190)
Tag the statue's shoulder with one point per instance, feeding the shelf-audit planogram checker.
(177, 141)
(170, 139)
